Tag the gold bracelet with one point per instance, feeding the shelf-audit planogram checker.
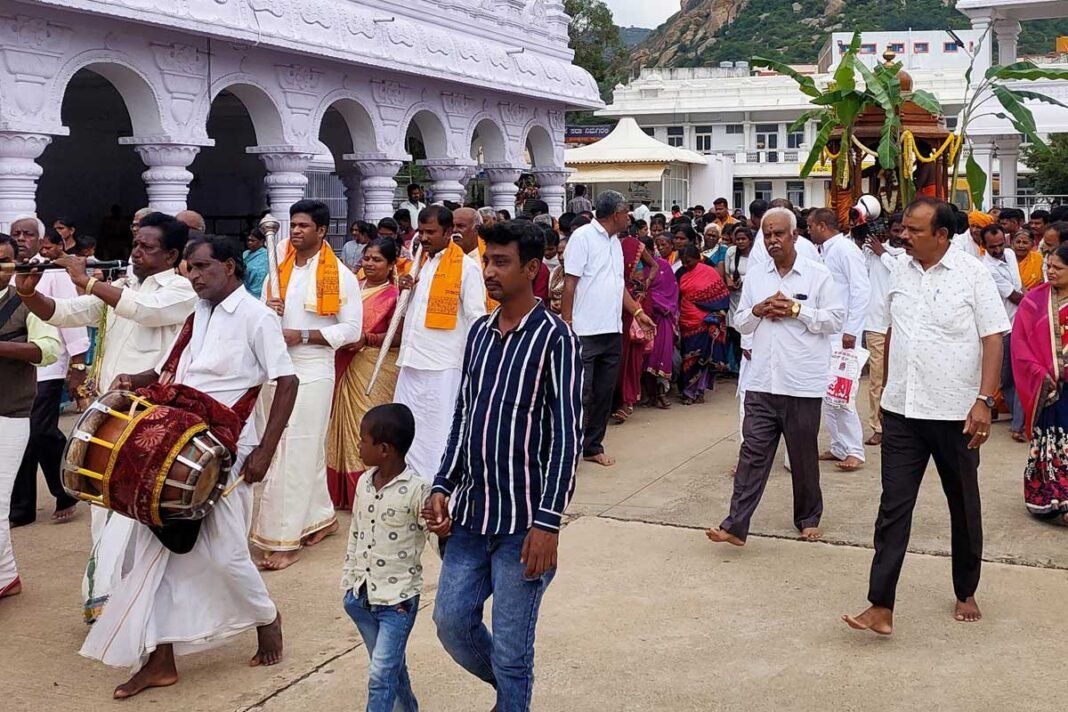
(638, 312)
(89, 286)
(25, 296)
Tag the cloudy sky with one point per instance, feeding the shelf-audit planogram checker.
(642, 13)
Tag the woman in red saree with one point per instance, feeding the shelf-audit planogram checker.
(702, 325)
(354, 365)
(1039, 348)
(639, 268)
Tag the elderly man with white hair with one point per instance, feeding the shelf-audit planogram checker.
(45, 448)
(791, 310)
(488, 215)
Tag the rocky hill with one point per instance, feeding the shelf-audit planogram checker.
(705, 32)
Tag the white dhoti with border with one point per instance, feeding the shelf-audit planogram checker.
(14, 434)
(194, 601)
(296, 501)
(431, 396)
(109, 560)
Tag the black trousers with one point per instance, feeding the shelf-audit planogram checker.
(600, 370)
(44, 450)
(908, 445)
(767, 417)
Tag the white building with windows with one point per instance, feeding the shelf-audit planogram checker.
(733, 111)
(226, 106)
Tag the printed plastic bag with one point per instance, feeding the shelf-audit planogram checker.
(844, 379)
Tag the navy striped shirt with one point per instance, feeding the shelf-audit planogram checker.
(516, 433)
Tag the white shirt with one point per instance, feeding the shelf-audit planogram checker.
(790, 356)
(140, 329)
(641, 213)
(1006, 274)
(314, 362)
(236, 346)
(758, 255)
(441, 349)
(729, 266)
(413, 210)
(879, 267)
(596, 258)
(937, 320)
(966, 244)
(846, 262)
(57, 284)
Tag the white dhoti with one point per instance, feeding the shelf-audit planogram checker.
(109, 560)
(296, 501)
(843, 425)
(431, 396)
(194, 601)
(14, 434)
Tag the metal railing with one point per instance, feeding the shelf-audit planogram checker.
(772, 155)
(1029, 202)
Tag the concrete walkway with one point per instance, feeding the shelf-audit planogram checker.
(644, 613)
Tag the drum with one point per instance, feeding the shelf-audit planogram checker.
(153, 463)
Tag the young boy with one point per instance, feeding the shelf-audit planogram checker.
(383, 577)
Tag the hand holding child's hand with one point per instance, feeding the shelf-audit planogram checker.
(436, 514)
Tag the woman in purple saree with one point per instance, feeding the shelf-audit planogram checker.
(662, 305)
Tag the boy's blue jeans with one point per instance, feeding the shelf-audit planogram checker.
(477, 567)
(385, 631)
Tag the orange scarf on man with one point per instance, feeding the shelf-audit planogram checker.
(443, 305)
(490, 303)
(327, 296)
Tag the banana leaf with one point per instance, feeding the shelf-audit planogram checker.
(889, 139)
(1036, 96)
(876, 88)
(926, 101)
(806, 84)
(818, 144)
(976, 181)
(1025, 70)
(1022, 118)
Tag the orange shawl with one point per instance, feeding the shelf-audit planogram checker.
(490, 303)
(327, 280)
(1030, 270)
(443, 306)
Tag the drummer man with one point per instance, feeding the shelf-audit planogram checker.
(177, 604)
(145, 310)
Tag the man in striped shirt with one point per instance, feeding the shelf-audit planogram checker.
(509, 468)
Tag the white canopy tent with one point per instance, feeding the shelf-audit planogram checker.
(636, 164)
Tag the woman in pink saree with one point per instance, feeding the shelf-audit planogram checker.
(353, 365)
(1039, 349)
(639, 269)
(662, 305)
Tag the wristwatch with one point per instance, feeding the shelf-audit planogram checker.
(304, 336)
(795, 309)
(77, 367)
(988, 400)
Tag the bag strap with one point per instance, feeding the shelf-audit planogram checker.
(9, 308)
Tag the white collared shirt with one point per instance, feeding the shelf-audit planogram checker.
(966, 244)
(846, 262)
(140, 328)
(1006, 274)
(938, 318)
(790, 356)
(596, 258)
(879, 267)
(57, 284)
(314, 362)
(234, 347)
(441, 349)
(758, 255)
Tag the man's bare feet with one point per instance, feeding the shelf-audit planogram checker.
(279, 560)
(12, 589)
(876, 619)
(849, 464)
(61, 516)
(811, 534)
(828, 456)
(270, 643)
(722, 536)
(316, 537)
(601, 459)
(967, 611)
(875, 439)
(159, 671)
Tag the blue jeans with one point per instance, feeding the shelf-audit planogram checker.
(477, 567)
(385, 631)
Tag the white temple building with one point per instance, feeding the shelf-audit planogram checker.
(227, 106)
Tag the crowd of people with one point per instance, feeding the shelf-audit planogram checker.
(442, 373)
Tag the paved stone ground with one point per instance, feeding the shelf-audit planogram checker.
(644, 613)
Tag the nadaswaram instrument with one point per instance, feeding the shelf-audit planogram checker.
(398, 316)
(28, 267)
(153, 463)
(270, 226)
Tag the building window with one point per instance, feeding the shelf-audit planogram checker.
(767, 139)
(795, 139)
(951, 123)
(897, 47)
(795, 192)
(762, 190)
(675, 134)
(649, 130)
(703, 139)
(739, 193)
(949, 47)
(867, 49)
(735, 129)
(920, 48)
